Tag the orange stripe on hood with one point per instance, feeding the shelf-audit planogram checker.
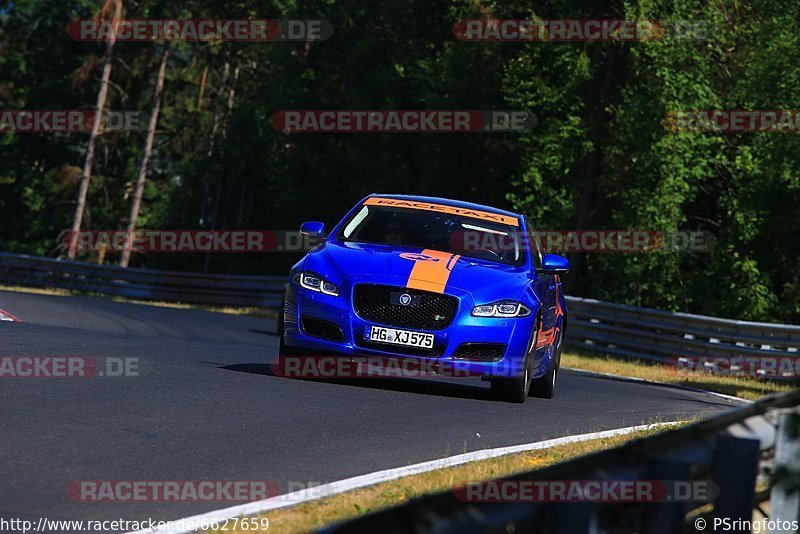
(432, 274)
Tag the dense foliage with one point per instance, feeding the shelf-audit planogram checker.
(600, 155)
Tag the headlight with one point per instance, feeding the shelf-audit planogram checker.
(503, 308)
(315, 282)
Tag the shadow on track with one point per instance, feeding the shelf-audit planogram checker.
(677, 387)
(265, 332)
(433, 387)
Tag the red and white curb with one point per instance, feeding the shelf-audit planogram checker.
(5, 316)
(184, 525)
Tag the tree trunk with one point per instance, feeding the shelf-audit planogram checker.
(148, 149)
(86, 176)
(598, 119)
(202, 89)
(218, 108)
(231, 99)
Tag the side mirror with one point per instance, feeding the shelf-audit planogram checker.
(554, 264)
(312, 229)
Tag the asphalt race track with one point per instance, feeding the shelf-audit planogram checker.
(205, 406)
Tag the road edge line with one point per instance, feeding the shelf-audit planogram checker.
(188, 525)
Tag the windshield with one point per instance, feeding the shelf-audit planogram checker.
(457, 234)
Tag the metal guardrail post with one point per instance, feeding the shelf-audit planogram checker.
(666, 517)
(572, 517)
(735, 472)
(785, 499)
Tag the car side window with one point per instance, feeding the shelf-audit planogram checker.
(534, 246)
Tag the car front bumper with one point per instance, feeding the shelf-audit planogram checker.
(514, 333)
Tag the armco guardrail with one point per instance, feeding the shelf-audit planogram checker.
(221, 290)
(612, 328)
(724, 452)
(631, 331)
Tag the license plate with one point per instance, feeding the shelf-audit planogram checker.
(399, 337)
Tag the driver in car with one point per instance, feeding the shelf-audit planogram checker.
(394, 234)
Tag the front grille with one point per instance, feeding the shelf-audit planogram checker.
(319, 328)
(485, 352)
(373, 303)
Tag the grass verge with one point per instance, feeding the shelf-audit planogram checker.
(744, 387)
(230, 310)
(316, 514)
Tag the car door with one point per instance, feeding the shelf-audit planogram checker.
(546, 288)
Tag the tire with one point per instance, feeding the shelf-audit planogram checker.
(545, 387)
(283, 349)
(513, 389)
(516, 389)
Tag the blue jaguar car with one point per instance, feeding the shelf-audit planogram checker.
(436, 280)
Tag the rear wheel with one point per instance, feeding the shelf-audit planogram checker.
(545, 387)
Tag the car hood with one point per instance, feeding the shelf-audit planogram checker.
(351, 262)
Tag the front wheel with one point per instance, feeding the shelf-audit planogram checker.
(283, 349)
(513, 389)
